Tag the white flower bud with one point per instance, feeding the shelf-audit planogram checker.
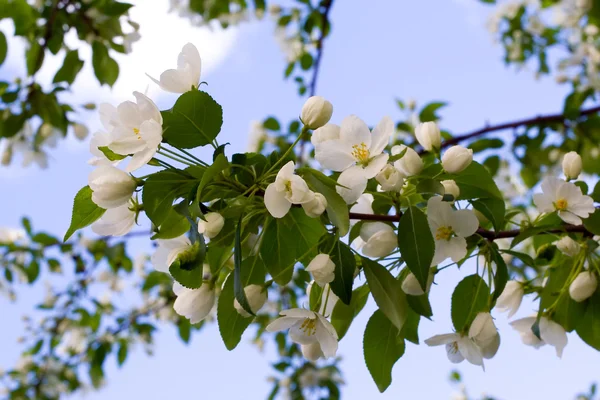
(450, 187)
(316, 112)
(325, 133)
(211, 225)
(428, 135)
(568, 246)
(456, 159)
(390, 179)
(312, 352)
(410, 163)
(316, 206)
(7, 156)
(571, 165)
(81, 131)
(584, 286)
(322, 269)
(380, 239)
(256, 296)
(110, 186)
(46, 130)
(412, 287)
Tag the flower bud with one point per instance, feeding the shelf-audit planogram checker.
(316, 206)
(410, 163)
(380, 239)
(571, 165)
(81, 131)
(322, 269)
(325, 133)
(46, 130)
(450, 187)
(312, 352)
(211, 225)
(110, 186)
(256, 296)
(7, 155)
(584, 286)
(316, 112)
(568, 246)
(428, 135)
(456, 159)
(412, 287)
(390, 179)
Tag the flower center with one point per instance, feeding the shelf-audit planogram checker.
(453, 347)
(444, 233)
(309, 326)
(360, 152)
(136, 132)
(561, 204)
(288, 186)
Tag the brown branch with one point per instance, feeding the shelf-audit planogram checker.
(324, 31)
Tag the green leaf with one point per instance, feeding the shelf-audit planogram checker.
(476, 182)
(238, 287)
(70, 68)
(485, 144)
(596, 193)
(567, 312)
(231, 324)
(3, 48)
(501, 275)
(122, 353)
(387, 292)
(383, 346)
(345, 265)
(160, 190)
(420, 304)
(430, 186)
(428, 113)
(470, 297)
(588, 327)
(111, 155)
(85, 212)
(34, 57)
(343, 314)
(272, 124)
(173, 226)
(210, 173)
(337, 210)
(592, 223)
(188, 269)
(195, 120)
(105, 68)
(493, 209)
(410, 330)
(416, 243)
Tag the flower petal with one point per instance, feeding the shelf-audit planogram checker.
(439, 340)
(335, 155)
(464, 223)
(380, 136)
(276, 203)
(354, 131)
(353, 183)
(281, 324)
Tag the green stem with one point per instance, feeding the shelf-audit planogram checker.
(174, 156)
(193, 157)
(287, 152)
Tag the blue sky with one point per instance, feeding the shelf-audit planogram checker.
(427, 50)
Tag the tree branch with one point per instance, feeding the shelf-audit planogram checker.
(312, 90)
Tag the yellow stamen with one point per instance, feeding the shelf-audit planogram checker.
(309, 326)
(136, 131)
(444, 233)
(561, 205)
(360, 152)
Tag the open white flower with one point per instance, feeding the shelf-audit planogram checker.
(410, 163)
(568, 246)
(194, 304)
(511, 297)
(449, 228)
(380, 239)
(211, 225)
(167, 252)
(412, 287)
(256, 296)
(583, 286)
(307, 327)
(110, 186)
(357, 153)
(187, 75)
(550, 333)
(136, 129)
(287, 189)
(322, 269)
(324, 133)
(564, 197)
(116, 221)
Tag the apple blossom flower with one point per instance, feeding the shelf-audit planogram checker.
(167, 252)
(211, 225)
(571, 165)
(307, 327)
(358, 154)
(312, 352)
(194, 304)
(187, 75)
(449, 228)
(136, 129)
(511, 297)
(568, 246)
(321, 267)
(564, 197)
(316, 206)
(287, 189)
(256, 296)
(316, 112)
(390, 179)
(428, 136)
(100, 139)
(324, 133)
(411, 163)
(110, 186)
(456, 159)
(380, 239)
(583, 286)
(450, 187)
(550, 332)
(412, 287)
(116, 221)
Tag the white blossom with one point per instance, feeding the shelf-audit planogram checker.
(568, 246)
(550, 332)
(449, 228)
(322, 269)
(211, 225)
(412, 287)
(307, 327)
(116, 221)
(287, 189)
(511, 297)
(456, 159)
(256, 296)
(428, 136)
(316, 112)
(379, 238)
(100, 139)
(187, 75)
(583, 286)
(324, 133)
(411, 163)
(110, 186)
(450, 187)
(194, 304)
(564, 197)
(390, 179)
(167, 252)
(571, 165)
(316, 206)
